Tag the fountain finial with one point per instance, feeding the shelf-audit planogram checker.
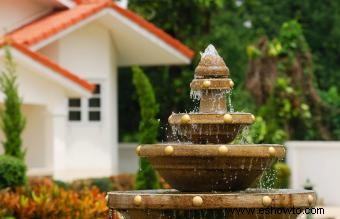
(211, 65)
(210, 50)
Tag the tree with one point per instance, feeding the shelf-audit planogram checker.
(200, 22)
(12, 119)
(148, 127)
(281, 79)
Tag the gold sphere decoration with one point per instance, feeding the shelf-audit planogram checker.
(138, 149)
(227, 118)
(253, 118)
(185, 119)
(206, 83)
(168, 150)
(137, 200)
(231, 83)
(310, 199)
(266, 201)
(169, 118)
(272, 151)
(197, 201)
(223, 150)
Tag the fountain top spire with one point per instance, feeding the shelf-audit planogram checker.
(211, 65)
(210, 50)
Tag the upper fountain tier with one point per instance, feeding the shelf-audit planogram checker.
(211, 65)
(213, 123)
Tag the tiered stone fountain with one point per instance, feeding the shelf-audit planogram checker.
(210, 177)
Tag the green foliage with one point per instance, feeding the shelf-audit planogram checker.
(320, 21)
(103, 184)
(282, 175)
(148, 127)
(257, 131)
(61, 184)
(293, 98)
(12, 172)
(332, 99)
(12, 119)
(223, 24)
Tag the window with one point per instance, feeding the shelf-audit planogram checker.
(86, 112)
(94, 104)
(74, 113)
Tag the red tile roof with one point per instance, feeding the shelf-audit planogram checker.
(54, 23)
(58, 21)
(52, 65)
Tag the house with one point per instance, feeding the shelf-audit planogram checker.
(67, 55)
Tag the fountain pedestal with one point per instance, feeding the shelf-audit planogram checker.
(210, 175)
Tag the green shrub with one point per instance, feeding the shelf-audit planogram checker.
(12, 172)
(12, 119)
(283, 175)
(61, 184)
(148, 127)
(104, 184)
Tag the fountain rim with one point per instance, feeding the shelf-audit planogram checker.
(211, 150)
(236, 118)
(199, 84)
(172, 199)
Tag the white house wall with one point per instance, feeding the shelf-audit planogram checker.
(18, 12)
(317, 161)
(35, 138)
(91, 146)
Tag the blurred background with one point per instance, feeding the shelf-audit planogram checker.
(95, 78)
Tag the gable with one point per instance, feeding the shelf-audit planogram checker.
(73, 84)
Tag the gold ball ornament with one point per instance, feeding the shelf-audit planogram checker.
(272, 151)
(197, 201)
(231, 83)
(169, 119)
(137, 200)
(253, 118)
(168, 150)
(138, 149)
(266, 201)
(223, 150)
(185, 119)
(310, 199)
(227, 118)
(206, 83)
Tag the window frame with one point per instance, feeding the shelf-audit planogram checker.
(85, 108)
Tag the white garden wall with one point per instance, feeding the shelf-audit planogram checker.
(128, 159)
(318, 161)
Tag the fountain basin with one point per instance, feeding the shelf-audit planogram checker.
(190, 167)
(171, 204)
(214, 128)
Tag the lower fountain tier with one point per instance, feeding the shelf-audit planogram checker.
(171, 204)
(206, 168)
